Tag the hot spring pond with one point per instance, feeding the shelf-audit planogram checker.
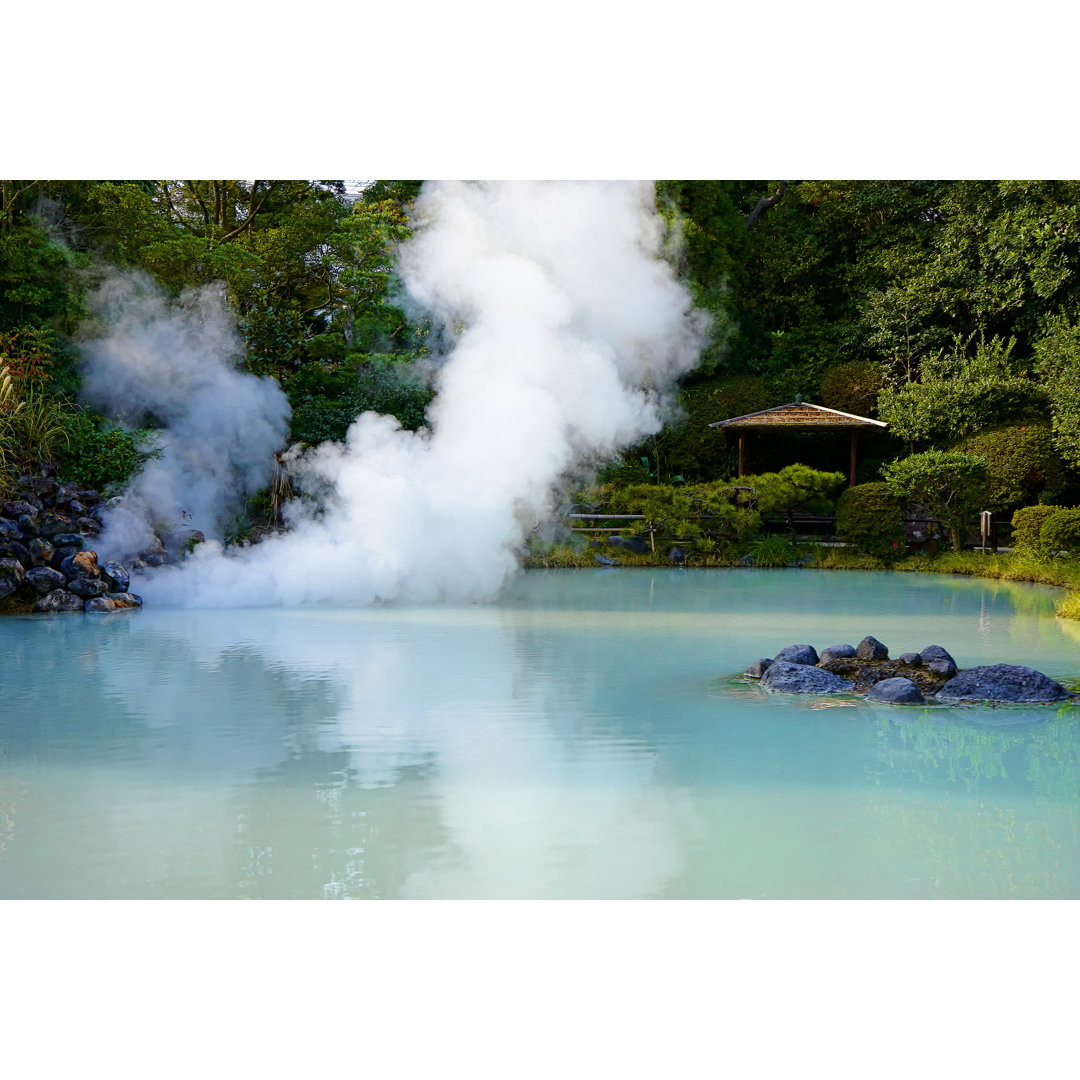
(585, 737)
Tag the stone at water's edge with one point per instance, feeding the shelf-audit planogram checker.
(871, 649)
(896, 691)
(782, 676)
(126, 599)
(60, 600)
(836, 652)
(1003, 682)
(11, 576)
(88, 587)
(942, 667)
(934, 652)
(99, 603)
(115, 573)
(44, 579)
(798, 654)
(757, 668)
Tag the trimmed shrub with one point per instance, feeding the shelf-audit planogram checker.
(1023, 465)
(1061, 531)
(870, 518)
(852, 387)
(1027, 523)
(91, 458)
(794, 487)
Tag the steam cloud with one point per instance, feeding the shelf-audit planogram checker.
(222, 425)
(567, 330)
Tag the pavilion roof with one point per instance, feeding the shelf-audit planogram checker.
(797, 415)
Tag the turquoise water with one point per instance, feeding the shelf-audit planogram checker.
(588, 736)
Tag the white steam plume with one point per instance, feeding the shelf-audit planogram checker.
(174, 361)
(568, 327)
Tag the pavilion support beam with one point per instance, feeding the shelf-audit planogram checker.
(854, 447)
(741, 453)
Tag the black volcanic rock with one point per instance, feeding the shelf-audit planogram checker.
(781, 676)
(1002, 682)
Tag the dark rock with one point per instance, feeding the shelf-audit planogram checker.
(865, 673)
(629, 543)
(12, 574)
(40, 551)
(9, 529)
(934, 652)
(60, 600)
(41, 486)
(912, 659)
(60, 554)
(798, 654)
(29, 524)
(126, 600)
(55, 524)
(16, 509)
(66, 492)
(871, 649)
(71, 539)
(179, 542)
(44, 579)
(897, 691)
(603, 560)
(100, 603)
(757, 668)
(88, 587)
(76, 507)
(676, 555)
(836, 652)
(745, 560)
(12, 549)
(115, 573)
(1002, 682)
(31, 500)
(784, 677)
(942, 667)
(89, 526)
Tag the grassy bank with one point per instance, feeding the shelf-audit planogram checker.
(1017, 566)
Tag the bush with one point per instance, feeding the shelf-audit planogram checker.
(1023, 465)
(852, 387)
(794, 488)
(1027, 523)
(93, 458)
(870, 518)
(1061, 531)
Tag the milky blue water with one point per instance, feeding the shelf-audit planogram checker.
(588, 736)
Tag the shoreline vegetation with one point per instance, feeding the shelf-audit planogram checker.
(1062, 573)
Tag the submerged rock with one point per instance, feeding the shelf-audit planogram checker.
(798, 654)
(757, 668)
(871, 649)
(99, 603)
(836, 652)
(785, 677)
(126, 600)
(896, 691)
(1003, 682)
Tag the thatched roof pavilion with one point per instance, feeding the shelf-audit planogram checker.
(800, 416)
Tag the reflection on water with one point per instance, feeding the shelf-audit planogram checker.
(588, 736)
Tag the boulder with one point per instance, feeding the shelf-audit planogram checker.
(798, 654)
(99, 603)
(898, 691)
(12, 549)
(781, 676)
(603, 560)
(12, 574)
(912, 659)
(745, 560)
(942, 667)
(44, 579)
(126, 600)
(871, 649)
(55, 524)
(115, 573)
(15, 509)
(82, 563)
(88, 587)
(757, 668)
(934, 652)
(40, 551)
(42, 486)
(9, 529)
(1002, 682)
(69, 539)
(31, 500)
(60, 600)
(836, 652)
(676, 555)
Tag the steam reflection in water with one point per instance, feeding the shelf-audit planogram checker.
(583, 738)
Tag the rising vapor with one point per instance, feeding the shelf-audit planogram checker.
(567, 329)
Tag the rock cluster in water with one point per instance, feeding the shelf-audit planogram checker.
(45, 554)
(912, 679)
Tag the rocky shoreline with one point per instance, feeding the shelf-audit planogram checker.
(46, 553)
(923, 678)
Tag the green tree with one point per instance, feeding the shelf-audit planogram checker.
(951, 485)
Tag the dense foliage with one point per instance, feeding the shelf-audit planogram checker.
(870, 517)
(1027, 525)
(949, 309)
